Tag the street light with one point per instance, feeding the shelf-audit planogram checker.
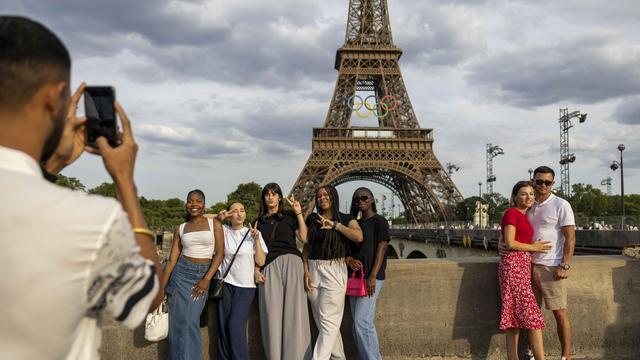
(614, 166)
(530, 173)
(480, 189)
(565, 157)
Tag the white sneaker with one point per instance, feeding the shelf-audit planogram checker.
(529, 355)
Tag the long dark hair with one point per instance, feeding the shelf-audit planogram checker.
(275, 188)
(187, 217)
(333, 246)
(354, 202)
(519, 185)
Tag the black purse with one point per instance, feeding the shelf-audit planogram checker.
(216, 287)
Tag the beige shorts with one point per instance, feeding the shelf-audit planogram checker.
(547, 286)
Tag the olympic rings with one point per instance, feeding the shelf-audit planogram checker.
(380, 109)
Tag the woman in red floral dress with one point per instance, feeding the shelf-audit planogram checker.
(519, 307)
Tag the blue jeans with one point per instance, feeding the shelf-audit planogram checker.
(233, 311)
(185, 341)
(363, 310)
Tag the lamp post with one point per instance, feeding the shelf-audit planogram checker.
(480, 189)
(530, 173)
(614, 166)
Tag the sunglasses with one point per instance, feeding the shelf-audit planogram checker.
(362, 198)
(545, 182)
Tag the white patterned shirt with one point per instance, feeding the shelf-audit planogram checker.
(68, 258)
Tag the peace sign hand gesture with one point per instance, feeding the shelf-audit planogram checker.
(295, 204)
(325, 224)
(224, 214)
(255, 233)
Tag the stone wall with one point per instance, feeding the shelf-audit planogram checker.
(440, 307)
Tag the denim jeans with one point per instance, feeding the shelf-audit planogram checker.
(363, 310)
(185, 341)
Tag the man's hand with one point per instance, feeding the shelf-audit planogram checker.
(561, 273)
(119, 161)
(502, 248)
(72, 140)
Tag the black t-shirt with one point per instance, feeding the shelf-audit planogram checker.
(374, 230)
(317, 237)
(284, 238)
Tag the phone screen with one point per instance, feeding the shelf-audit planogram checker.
(100, 113)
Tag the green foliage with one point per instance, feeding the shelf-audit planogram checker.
(104, 189)
(165, 214)
(497, 205)
(70, 182)
(249, 195)
(465, 209)
(219, 206)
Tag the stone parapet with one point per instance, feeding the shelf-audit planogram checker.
(450, 308)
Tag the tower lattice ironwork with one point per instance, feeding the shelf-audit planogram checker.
(395, 152)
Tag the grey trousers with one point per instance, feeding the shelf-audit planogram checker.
(284, 313)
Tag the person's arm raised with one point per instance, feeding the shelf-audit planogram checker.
(72, 141)
(120, 163)
(301, 233)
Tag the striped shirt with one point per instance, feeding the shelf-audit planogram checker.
(69, 259)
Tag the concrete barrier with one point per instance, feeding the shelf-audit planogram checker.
(440, 307)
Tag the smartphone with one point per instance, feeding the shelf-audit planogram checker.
(101, 114)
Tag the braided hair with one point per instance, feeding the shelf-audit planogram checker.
(354, 202)
(333, 247)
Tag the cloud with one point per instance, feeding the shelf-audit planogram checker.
(628, 112)
(595, 68)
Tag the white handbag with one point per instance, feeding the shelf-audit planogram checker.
(156, 327)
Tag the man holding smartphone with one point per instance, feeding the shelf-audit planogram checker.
(68, 258)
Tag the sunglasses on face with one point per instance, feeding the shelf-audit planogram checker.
(362, 198)
(540, 182)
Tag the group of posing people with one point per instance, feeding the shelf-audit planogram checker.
(89, 257)
(536, 249)
(266, 253)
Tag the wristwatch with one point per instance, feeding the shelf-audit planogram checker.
(565, 266)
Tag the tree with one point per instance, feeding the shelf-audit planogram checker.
(497, 205)
(249, 195)
(219, 206)
(104, 189)
(70, 182)
(465, 210)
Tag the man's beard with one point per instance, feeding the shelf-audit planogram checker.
(51, 144)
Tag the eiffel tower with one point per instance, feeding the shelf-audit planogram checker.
(396, 152)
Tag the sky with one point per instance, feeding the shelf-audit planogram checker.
(227, 92)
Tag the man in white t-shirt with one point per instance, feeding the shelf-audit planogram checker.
(68, 258)
(552, 220)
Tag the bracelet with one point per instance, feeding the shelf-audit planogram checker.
(144, 231)
(299, 214)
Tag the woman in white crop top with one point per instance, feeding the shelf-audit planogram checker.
(196, 253)
(240, 287)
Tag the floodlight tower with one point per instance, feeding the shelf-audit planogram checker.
(565, 157)
(451, 168)
(607, 182)
(492, 151)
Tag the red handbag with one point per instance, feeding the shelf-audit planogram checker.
(357, 286)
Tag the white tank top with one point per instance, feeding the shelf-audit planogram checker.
(198, 244)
